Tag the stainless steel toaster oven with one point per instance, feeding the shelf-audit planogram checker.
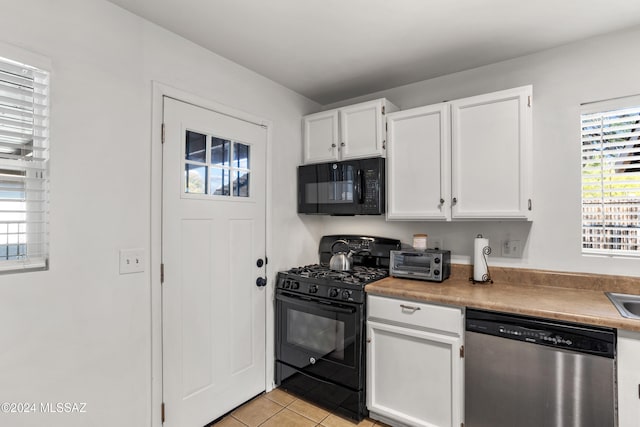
(432, 265)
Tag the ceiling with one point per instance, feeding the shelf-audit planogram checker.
(331, 50)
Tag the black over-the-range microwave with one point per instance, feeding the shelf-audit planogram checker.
(351, 187)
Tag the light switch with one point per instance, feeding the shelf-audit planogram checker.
(131, 261)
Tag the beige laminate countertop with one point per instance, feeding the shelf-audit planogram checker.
(564, 296)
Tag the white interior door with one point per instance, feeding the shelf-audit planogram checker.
(213, 234)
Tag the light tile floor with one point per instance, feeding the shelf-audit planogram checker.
(281, 409)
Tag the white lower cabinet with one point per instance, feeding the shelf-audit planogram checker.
(414, 363)
(628, 379)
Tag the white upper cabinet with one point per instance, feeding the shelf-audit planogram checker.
(418, 164)
(461, 160)
(321, 137)
(491, 155)
(352, 132)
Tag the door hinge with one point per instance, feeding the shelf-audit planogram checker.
(529, 101)
(161, 273)
(162, 134)
(162, 413)
(461, 351)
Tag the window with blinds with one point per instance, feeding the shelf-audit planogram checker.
(24, 144)
(611, 179)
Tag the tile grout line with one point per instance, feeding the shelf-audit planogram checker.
(282, 408)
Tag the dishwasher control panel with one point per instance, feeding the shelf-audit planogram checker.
(582, 338)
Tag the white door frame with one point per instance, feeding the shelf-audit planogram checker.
(159, 91)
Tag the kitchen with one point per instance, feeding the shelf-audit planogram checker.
(81, 331)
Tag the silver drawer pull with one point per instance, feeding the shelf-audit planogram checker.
(408, 307)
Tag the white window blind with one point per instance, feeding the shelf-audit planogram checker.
(24, 144)
(611, 180)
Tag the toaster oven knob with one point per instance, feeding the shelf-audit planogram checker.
(313, 289)
(436, 260)
(436, 272)
(333, 292)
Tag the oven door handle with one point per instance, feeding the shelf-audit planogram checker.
(326, 305)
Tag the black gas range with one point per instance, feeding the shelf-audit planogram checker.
(320, 324)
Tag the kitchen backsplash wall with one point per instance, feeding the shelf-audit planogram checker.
(562, 79)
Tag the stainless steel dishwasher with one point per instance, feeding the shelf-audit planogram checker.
(524, 371)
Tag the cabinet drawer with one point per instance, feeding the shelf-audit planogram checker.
(418, 314)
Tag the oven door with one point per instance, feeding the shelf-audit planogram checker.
(321, 338)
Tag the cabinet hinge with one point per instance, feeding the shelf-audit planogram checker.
(162, 413)
(383, 109)
(529, 204)
(162, 133)
(529, 101)
(461, 351)
(461, 424)
(161, 273)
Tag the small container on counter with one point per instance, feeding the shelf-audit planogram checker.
(420, 242)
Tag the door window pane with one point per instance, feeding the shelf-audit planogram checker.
(196, 179)
(220, 151)
(241, 184)
(196, 147)
(220, 182)
(241, 155)
(216, 166)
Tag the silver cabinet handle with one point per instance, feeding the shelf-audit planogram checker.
(454, 201)
(342, 144)
(442, 201)
(409, 307)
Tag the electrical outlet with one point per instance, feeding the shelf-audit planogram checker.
(435, 243)
(511, 249)
(131, 261)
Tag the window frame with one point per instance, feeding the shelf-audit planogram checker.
(603, 107)
(36, 219)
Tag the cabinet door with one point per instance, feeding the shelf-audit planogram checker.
(628, 379)
(491, 155)
(418, 159)
(321, 137)
(361, 130)
(413, 376)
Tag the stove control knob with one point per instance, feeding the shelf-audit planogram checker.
(313, 289)
(333, 292)
(295, 285)
(287, 284)
(346, 294)
(436, 260)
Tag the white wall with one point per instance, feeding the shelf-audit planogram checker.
(562, 78)
(80, 332)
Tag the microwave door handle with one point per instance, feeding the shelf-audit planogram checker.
(359, 186)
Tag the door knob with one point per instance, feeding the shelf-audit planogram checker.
(261, 281)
